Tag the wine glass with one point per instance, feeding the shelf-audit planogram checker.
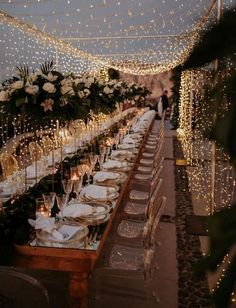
(107, 152)
(62, 200)
(101, 158)
(77, 185)
(49, 199)
(67, 185)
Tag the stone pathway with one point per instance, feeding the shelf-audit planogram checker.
(192, 292)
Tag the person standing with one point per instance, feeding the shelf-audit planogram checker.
(163, 103)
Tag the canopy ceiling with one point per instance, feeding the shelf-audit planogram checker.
(134, 36)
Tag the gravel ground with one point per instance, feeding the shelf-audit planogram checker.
(193, 292)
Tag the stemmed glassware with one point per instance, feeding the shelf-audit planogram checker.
(101, 158)
(49, 199)
(67, 185)
(62, 200)
(77, 186)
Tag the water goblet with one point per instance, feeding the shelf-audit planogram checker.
(49, 199)
(62, 200)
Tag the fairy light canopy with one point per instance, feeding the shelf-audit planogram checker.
(134, 36)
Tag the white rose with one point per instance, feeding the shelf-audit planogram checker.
(86, 92)
(67, 90)
(18, 85)
(81, 94)
(107, 90)
(32, 89)
(4, 96)
(49, 87)
(91, 79)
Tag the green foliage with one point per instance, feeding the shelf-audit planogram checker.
(113, 74)
(220, 42)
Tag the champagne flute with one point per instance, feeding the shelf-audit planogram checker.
(49, 199)
(62, 200)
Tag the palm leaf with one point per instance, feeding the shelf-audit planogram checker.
(47, 67)
(23, 71)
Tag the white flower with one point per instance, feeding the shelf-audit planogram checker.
(4, 96)
(31, 89)
(50, 77)
(47, 104)
(49, 87)
(91, 80)
(107, 90)
(81, 94)
(86, 92)
(77, 81)
(17, 85)
(67, 90)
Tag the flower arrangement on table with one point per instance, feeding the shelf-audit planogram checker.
(47, 94)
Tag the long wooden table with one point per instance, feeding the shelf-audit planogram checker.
(79, 262)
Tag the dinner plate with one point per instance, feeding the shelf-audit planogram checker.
(111, 197)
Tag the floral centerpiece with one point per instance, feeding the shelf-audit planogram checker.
(47, 94)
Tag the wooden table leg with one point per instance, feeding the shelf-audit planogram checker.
(78, 290)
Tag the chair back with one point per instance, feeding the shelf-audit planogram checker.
(161, 202)
(47, 145)
(36, 152)
(9, 164)
(21, 290)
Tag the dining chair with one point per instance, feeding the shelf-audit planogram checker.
(47, 145)
(140, 209)
(9, 164)
(36, 151)
(127, 280)
(125, 270)
(136, 233)
(21, 290)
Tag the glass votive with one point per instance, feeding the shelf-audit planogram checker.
(74, 174)
(40, 208)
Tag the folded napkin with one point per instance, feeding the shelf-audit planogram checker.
(98, 192)
(129, 140)
(134, 136)
(111, 164)
(45, 224)
(102, 176)
(121, 153)
(125, 146)
(77, 210)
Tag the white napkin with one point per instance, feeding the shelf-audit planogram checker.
(102, 176)
(45, 224)
(98, 192)
(126, 146)
(77, 210)
(123, 153)
(111, 164)
(129, 140)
